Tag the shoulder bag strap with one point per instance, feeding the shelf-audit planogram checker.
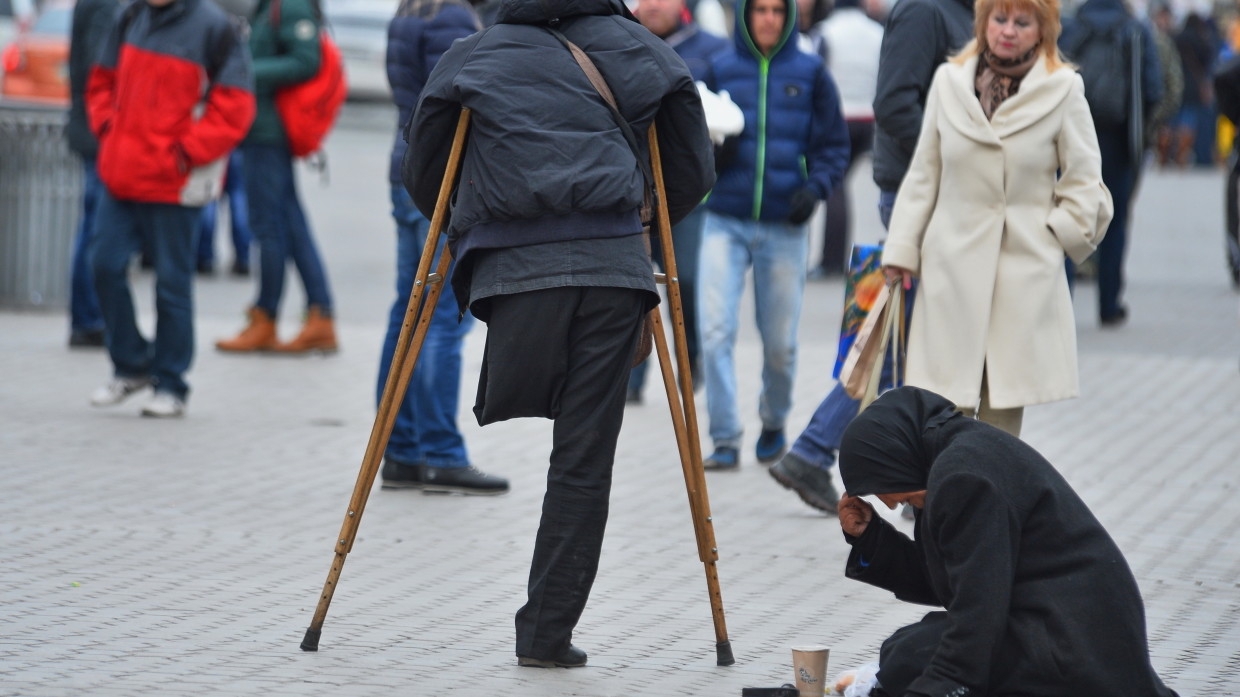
(600, 84)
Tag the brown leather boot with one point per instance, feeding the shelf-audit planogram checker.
(317, 334)
(258, 335)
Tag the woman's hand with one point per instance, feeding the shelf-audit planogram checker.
(894, 272)
(855, 514)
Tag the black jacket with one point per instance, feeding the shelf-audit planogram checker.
(92, 23)
(1040, 601)
(920, 35)
(545, 160)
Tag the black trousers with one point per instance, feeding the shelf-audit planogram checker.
(905, 654)
(563, 354)
(837, 234)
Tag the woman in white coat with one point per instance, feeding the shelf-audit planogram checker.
(1005, 181)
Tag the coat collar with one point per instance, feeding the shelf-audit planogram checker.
(1040, 93)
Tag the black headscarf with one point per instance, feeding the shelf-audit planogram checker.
(884, 450)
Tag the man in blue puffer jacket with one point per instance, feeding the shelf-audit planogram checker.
(426, 450)
(792, 153)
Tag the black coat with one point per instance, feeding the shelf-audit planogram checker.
(920, 34)
(1039, 599)
(92, 22)
(545, 160)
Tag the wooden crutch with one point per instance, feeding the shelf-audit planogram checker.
(684, 412)
(408, 346)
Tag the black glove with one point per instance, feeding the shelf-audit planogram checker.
(802, 205)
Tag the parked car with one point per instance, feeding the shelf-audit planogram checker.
(36, 62)
(359, 28)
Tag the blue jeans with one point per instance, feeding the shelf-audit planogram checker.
(777, 252)
(238, 216)
(280, 227)
(425, 430)
(84, 312)
(686, 244)
(122, 230)
(820, 440)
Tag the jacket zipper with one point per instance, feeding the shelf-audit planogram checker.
(764, 69)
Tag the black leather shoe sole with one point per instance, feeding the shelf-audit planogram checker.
(462, 480)
(573, 657)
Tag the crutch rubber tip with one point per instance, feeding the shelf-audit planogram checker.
(311, 640)
(723, 650)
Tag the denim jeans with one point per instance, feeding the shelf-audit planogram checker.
(686, 243)
(777, 252)
(425, 430)
(122, 230)
(238, 216)
(820, 440)
(280, 228)
(84, 312)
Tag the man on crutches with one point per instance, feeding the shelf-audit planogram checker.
(546, 228)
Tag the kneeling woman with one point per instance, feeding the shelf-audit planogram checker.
(1039, 600)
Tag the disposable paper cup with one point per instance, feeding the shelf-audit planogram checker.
(809, 664)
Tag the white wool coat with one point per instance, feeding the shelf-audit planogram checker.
(983, 220)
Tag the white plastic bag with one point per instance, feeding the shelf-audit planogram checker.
(723, 117)
(859, 681)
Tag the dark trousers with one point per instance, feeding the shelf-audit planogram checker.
(836, 239)
(1119, 175)
(906, 654)
(564, 354)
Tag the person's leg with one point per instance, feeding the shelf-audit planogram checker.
(171, 229)
(838, 230)
(906, 653)
(207, 220)
(721, 280)
(118, 238)
(1233, 215)
(267, 173)
(1008, 420)
(779, 260)
(687, 241)
(403, 445)
(599, 327)
(238, 213)
(85, 317)
(302, 249)
(1117, 174)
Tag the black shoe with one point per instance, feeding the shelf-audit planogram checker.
(812, 484)
(1115, 320)
(206, 268)
(86, 338)
(724, 458)
(771, 445)
(398, 475)
(633, 396)
(572, 657)
(462, 480)
(240, 269)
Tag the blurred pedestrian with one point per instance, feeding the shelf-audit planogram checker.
(238, 222)
(284, 41)
(546, 229)
(92, 21)
(1160, 129)
(1038, 599)
(1198, 46)
(426, 449)
(853, 44)
(988, 210)
(666, 20)
(792, 154)
(1122, 154)
(919, 36)
(161, 157)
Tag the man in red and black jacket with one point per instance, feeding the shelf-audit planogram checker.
(170, 96)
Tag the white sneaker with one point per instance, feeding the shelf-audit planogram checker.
(164, 405)
(117, 390)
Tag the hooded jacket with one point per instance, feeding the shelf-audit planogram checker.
(1040, 601)
(284, 55)
(795, 136)
(545, 160)
(171, 91)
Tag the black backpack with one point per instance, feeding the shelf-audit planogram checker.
(1104, 57)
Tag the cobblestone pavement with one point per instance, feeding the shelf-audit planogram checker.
(146, 557)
